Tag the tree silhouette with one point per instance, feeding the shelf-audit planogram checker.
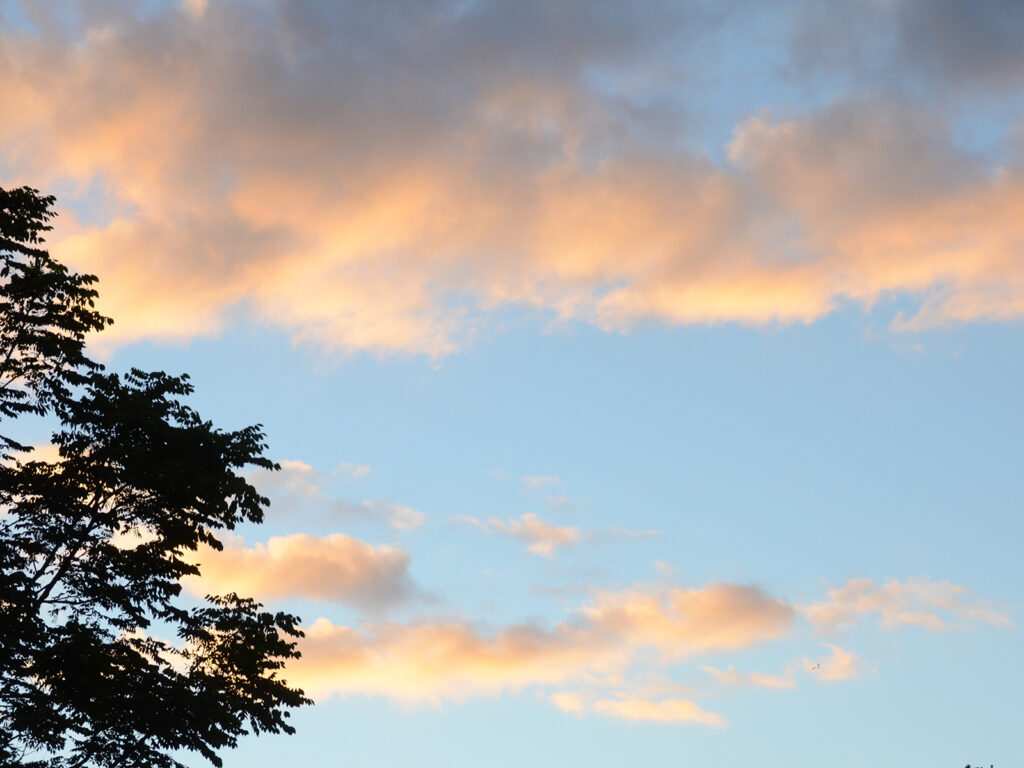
(102, 661)
(45, 312)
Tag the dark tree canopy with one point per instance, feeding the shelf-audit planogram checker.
(45, 313)
(102, 662)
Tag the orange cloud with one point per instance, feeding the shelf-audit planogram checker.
(335, 568)
(431, 661)
(606, 659)
(682, 622)
(439, 659)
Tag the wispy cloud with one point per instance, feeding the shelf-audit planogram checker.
(544, 538)
(734, 678)
(659, 711)
(353, 470)
(567, 701)
(298, 488)
(541, 538)
(658, 701)
(539, 481)
(933, 605)
(839, 665)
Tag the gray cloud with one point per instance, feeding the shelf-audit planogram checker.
(936, 44)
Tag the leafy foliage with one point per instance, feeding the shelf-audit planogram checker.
(93, 546)
(45, 313)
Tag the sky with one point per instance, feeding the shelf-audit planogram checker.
(645, 377)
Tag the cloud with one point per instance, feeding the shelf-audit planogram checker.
(538, 481)
(932, 605)
(404, 518)
(732, 677)
(681, 622)
(353, 470)
(294, 475)
(298, 487)
(195, 8)
(335, 568)
(944, 45)
(651, 703)
(430, 661)
(436, 659)
(608, 658)
(964, 43)
(468, 520)
(840, 665)
(541, 538)
(571, 703)
(663, 711)
(276, 183)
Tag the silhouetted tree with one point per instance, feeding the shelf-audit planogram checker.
(102, 662)
(45, 313)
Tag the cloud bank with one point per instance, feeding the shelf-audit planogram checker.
(438, 659)
(386, 180)
(594, 662)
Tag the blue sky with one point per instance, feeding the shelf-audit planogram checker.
(645, 378)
